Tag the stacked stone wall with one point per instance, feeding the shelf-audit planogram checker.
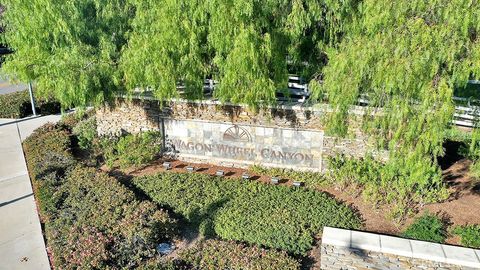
(136, 116)
(353, 250)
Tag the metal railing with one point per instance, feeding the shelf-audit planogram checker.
(466, 113)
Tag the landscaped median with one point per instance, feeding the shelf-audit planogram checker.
(91, 220)
(95, 221)
(279, 217)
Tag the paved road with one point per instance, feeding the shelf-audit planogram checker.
(21, 241)
(7, 87)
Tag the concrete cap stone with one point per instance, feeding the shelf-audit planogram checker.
(367, 241)
(336, 237)
(461, 255)
(402, 247)
(396, 245)
(427, 251)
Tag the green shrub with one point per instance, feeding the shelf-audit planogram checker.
(70, 120)
(313, 179)
(475, 169)
(133, 149)
(91, 220)
(17, 105)
(47, 151)
(95, 200)
(427, 227)
(387, 184)
(273, 216)
(470, 235)
(86, 132)
(108, 150)
(215, 254)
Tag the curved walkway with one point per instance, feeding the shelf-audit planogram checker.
(21, 240)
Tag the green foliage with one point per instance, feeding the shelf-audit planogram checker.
(272, 216)
(475, 169)
(472, 151)
(427, 227)
(86, 132)
(386, 184)
(243, 44)
(94, 48)
(133, 149)
(458, 135)
(48, 156)
(17, 105)
(91, 220)
(97, 200)
(70, 49)
(470, 235)
(470, 91)
(313, 179)
(215, 254)
(108, 149)
(407, 57)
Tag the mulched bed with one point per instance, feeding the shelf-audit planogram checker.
(461, 209)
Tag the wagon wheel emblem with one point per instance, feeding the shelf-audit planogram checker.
(237, 134)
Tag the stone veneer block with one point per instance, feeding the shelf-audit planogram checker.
(427, 251)
(461, 255)
(336, 237)
(366, 241)
(394, 253)
(395, 245)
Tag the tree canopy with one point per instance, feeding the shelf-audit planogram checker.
(70, 49)
(83, 51)
(406, 57)
(243, 44)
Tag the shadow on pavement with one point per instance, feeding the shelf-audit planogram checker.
(15, 200)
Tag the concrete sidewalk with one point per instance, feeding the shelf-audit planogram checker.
(21, 240)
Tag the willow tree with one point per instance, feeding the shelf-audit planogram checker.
(69, 48)
(406, 57)
(243, 44)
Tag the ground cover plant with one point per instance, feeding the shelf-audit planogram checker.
(427, 227)
(86, 132)
(126, 151)
(138, 149)
(383, 184)
(17, 105)
(215, 254)
(91, 220)
(469, 234)
(271, 216)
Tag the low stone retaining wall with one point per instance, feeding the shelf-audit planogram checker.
(305, 122)
(353, 250)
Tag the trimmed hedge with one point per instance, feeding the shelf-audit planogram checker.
(91, 220)
(48, 156)
(216, 254)
(17, 105)
(272, 216)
